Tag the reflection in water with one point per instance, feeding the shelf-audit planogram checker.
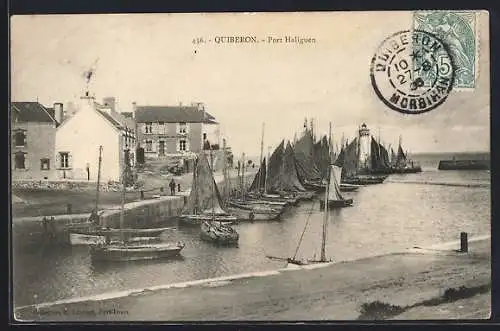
(384, 218)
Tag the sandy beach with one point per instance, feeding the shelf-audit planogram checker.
(415, 281)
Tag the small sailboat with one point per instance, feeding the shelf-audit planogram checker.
(213, 230)
(402, 165)
(333, 196)
(128, 250)
(96, 233)
(204, 202)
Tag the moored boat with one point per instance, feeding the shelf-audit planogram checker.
(132, 249)
(253, 212)
(349, 187)
(98, 235)
(218, 233)
(122, 252)
(204, 202)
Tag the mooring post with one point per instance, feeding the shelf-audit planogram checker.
(69, 208)
(464, 245)
(142, 195)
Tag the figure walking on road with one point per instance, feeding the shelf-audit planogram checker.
(172, 187)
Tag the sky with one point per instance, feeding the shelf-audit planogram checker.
(150, 59)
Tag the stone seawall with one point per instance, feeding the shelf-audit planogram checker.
(29, 232)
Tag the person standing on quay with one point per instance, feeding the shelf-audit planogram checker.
(172, 187)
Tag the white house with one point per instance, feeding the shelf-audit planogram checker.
(78, 139)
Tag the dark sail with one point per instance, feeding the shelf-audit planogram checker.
(385, 157)
(283, 174)
(379, 156)
(351, 160)
(401, 157)
(304, 154)
(259, 181)
(204, 196)
(322, 157)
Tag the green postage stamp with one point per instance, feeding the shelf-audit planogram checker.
(457, 30)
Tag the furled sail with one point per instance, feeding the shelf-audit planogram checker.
(333, 188)
(204, 197)
(304, 155)
(259, 181)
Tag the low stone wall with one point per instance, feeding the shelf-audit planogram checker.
(65, 185)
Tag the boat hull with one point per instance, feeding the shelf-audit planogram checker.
(219, 234)
(336, 203)
(407, 170)
(119, 253)
(349, 187)
(81, 239)
(305, 195)
(199, 219)
(250, 214)
(364, 180)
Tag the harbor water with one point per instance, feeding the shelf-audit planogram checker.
(405, 211)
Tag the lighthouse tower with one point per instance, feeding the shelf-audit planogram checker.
(364, 147)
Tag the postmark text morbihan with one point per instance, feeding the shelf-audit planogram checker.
(412, 72)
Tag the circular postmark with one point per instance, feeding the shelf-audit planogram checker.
(412, 72)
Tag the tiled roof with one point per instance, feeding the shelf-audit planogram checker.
(31, 112)
(172, 114)
(117, 119)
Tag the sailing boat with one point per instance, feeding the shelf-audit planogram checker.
(305, 162)
(213, 230)
(334, 197)
(96, 233)
(323, 259)
(355, 160)
(204, 202)
(126, 250)
(402, 164)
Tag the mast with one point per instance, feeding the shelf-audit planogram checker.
(122, 206)
(213, 185)
(243, 177)
(267, 168)
(325, 214)
(98, 181)
(224, 172)
(261, 153)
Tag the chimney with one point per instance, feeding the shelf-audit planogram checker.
(134, 108)
(58, 112)
(109, 102)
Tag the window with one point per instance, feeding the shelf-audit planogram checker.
(20, 160)
(44, 164)
(64, 159)
(20, 138)
(182, 145)
(161, 127)
(149, 145)
(148, 128)
(182, 127)
(204, 136)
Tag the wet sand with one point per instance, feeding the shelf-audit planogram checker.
(333, 292)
